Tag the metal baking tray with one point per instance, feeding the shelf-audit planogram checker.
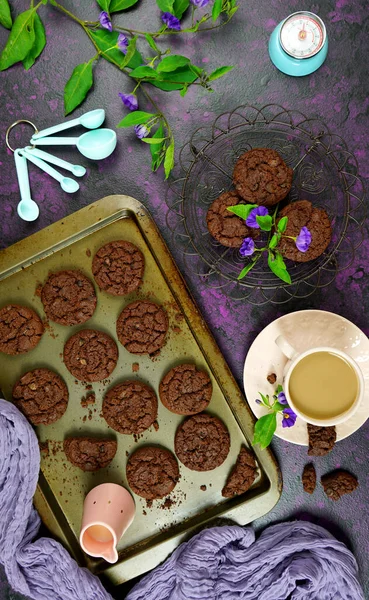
(156, 530)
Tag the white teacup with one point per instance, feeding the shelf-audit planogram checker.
(329, 399)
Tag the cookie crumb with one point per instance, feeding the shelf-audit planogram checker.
(156, 425)
(88, 252)
(272, 378)
(44, 448)
(135, 367)
(167, 504)
(309, 478)
(38, 290)
(203, 488)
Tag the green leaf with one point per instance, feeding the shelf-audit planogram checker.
(77, 86)
(165, 5)
(5, 15)
(246, 269)
(231, 12)
(150, 40)
(217, 9)
(180, 7)
(265, 223)
(117, 5)
(278, 267)
(39, 44)
(219, 73)
(131, 50)
(278, 407)
(169, 159)
(242, 210)
(168, 81)
(144, 73)
(107, 41)
(279, 389)
(274, 241)
(20, 40)
(104, 5)
(172, 63)
(282, 224)
(137, 117)
(265, 399)
(183, 91)
(152, 141)
(196, 70)
(156, 149)
(264, 430)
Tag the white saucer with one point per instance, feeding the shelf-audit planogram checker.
(304, 329)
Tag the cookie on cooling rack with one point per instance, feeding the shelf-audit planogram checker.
(262, 177)
(303, 214)
(224, 226)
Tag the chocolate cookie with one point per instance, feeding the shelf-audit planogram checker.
(90, 355)
(89, 454)
(309, 478)
(42, 396)
(339, 483)
(224, 226)
(130, 407)
(262, 177)
(118, 268)
(142, 327)
(152, 472)
(68, 297)
(20, 329)
(242, 475)
(303, 214)
(185, 390)
(321, 439)
(202, 442)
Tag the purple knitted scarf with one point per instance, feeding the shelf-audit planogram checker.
(296, 561)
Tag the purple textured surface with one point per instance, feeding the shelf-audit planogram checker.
(337, 93)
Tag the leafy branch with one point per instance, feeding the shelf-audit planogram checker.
(162, 69)
(267, 424)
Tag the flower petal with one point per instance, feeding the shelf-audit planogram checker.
(303, 239)
(247, 247)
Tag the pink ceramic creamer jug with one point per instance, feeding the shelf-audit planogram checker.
(108, 511)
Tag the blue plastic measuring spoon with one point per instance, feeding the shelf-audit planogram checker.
(91, 120)
(67, 184)
(27, 208)
(97, 144)
(77, 170)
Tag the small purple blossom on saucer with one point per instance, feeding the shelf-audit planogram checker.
(258, 401)
(247, 247)
(289, 417)
(260, 211)
(141, 131)
(129, 100)
(105, 21)
(200, 3)
(123, 42)
(303, 240)
(171, 21)
(282, 398)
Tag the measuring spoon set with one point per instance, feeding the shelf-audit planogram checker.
(96, 144)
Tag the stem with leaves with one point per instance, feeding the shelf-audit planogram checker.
(165, 71)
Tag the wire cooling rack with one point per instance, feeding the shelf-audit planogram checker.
(325, 172)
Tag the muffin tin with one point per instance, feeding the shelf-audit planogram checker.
(157, 529)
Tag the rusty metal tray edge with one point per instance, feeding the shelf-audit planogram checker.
(48, 240)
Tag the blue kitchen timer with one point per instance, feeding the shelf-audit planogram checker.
(299, 45)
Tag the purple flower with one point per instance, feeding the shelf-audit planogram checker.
(123, 42)
(289, 417)
(258, 401)
(141, 131)
(260, 211)
(171, 21)
(129, 100)
(303, 240)
(247, 247)
(105, 21)
(282, 398)
(199, 3)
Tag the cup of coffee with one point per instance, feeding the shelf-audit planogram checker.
(323, 386)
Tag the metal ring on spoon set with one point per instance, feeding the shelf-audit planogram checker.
(12, 126)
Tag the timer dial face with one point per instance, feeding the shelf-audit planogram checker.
(302, 35)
